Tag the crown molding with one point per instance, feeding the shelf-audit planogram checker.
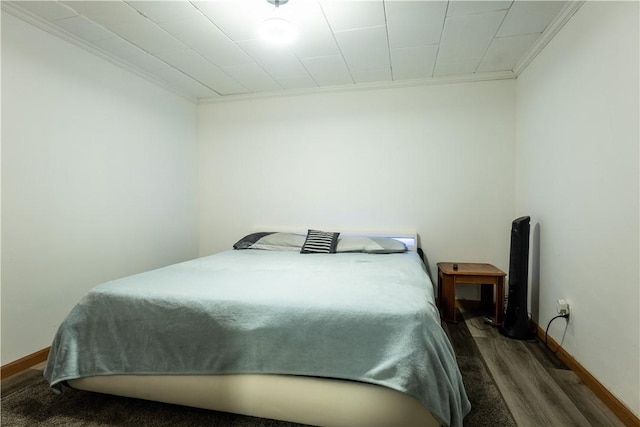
(549, 33)
(30, 18)
(466, 78)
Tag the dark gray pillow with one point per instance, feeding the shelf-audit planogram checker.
(320, 242)
(247, 241)
(271, 241)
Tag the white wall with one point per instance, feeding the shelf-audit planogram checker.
(577, 176)
(433, 159)
(98, 180)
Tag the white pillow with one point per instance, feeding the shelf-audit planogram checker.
(370, 245)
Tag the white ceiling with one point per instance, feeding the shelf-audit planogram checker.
(210, 50)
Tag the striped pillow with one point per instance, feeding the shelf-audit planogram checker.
(320, 242)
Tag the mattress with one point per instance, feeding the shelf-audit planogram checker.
(352, 316)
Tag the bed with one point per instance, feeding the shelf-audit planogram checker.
(274, 328)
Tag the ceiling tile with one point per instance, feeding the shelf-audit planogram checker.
(194, 65)
(328, 70)
(84, 28)
(505, 52)
(165, 11)
(365, 48)
(205, 38)
(148, 62)
(238, 19)
(528, 17)
(454, 67)
(467, 37)
(458, 8)
(49, 10)
(119, 47)
(315, 43)
(127, 22)
(414, 23)
(105, 13)
(372, 76)
(413, 62)
(185, 83)
(314, 34)
(147, 35)
(279, 62)
(347, 15)
(303, 81)
(252, 76)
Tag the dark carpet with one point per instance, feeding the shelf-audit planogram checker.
(488, 407)
(35, 405)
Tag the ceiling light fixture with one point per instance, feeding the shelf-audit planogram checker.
(277, 29)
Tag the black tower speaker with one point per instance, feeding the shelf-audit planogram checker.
(516, 322)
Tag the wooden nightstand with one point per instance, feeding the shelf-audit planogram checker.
(479, 274)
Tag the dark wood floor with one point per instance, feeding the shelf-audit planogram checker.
(538, 389)
(21, 379)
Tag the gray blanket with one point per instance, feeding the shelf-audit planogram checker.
(363, 317)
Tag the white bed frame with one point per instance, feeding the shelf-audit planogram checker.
(305, 400)
(300, 399)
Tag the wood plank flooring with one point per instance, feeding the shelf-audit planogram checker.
(21, 379)
(538, 389)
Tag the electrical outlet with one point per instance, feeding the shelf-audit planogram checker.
(562, 307)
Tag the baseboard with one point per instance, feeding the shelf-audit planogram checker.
(617, 407)
(24, 363)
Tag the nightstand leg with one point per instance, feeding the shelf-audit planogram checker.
(449, 298)
(499, 300)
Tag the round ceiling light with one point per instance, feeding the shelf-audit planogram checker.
(277, 29)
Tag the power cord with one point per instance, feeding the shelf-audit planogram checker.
(546, 332)
(486, 321)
